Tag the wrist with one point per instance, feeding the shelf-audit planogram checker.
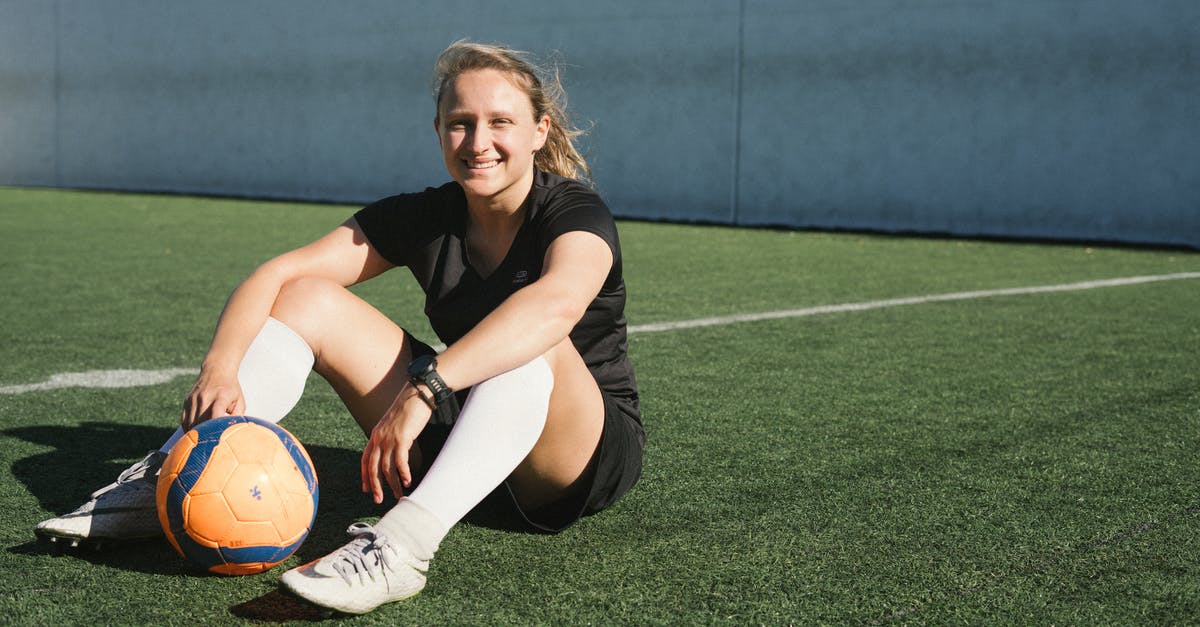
(424, 377)
(420, 392)
(211, 366)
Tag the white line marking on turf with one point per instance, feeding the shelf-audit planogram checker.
(912, 300)
(134, 378)
(101, 379)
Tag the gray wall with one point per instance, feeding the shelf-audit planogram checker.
(1026, 118)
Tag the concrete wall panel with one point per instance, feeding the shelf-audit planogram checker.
(1028, 118)
(28, 102)
(1045, 119)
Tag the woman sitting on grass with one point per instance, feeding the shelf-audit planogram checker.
(521, 267)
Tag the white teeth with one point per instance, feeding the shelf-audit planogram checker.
(482, 165)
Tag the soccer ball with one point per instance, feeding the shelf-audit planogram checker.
(237, 495)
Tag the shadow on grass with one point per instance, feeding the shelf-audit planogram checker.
(278, 606)
(83, 458)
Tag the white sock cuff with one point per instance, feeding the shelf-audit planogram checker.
(286, 343)
(274, 371)
(535, 377)
(414, 526)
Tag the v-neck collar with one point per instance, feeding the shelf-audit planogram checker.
(517, 241)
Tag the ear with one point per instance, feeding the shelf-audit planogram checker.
(541, 132)
(437, 129)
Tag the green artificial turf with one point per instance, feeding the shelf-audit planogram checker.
(1025, 459)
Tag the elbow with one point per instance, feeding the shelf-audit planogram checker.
(564, 314)
(277, 271)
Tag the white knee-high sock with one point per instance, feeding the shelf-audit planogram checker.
(272, 374)
(497, 428)
(274, 371)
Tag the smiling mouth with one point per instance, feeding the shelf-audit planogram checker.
(482, 165)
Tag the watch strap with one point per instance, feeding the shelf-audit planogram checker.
(424, 370)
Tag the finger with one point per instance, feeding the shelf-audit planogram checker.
(220, 405)
(388, 472)
(376, 485)
(189, 412)
(393, 473)
(402, 465)
(223, 404)
(366, 464)
(393, 478)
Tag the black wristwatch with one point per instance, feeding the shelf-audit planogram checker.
(424, 370)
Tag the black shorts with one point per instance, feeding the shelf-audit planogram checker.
(618, 464)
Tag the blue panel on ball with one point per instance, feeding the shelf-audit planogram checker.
(208, 434)
(255, 554)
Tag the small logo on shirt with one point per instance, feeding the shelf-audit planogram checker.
(521, 277)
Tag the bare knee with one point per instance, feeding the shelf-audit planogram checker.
(304, 303)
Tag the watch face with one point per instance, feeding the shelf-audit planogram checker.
(421, 365)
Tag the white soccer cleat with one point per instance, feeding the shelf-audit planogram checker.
(124, 510)
(369, 571)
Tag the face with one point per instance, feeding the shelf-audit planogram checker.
(488, 135)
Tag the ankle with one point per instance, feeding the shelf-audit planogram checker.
(412, 525)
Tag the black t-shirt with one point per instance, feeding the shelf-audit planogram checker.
(426, 232)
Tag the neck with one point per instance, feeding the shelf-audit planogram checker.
(490, 232)
(503, 211)
(493, 220)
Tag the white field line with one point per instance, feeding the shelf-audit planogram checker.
(100, 379)
(134, 378)
(911, 300)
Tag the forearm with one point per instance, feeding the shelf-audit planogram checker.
(534, 319)
(529, 323)
(242, 318)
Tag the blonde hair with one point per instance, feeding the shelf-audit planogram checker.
(559, 155)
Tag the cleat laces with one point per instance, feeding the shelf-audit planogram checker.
(148, 467)
(364, 556)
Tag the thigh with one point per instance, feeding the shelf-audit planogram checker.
(562, 462)
(361, 352)
(617, 466)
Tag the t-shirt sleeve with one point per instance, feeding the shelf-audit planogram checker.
(394, 226)
(577, 208)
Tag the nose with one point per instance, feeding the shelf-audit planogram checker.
(480, 140)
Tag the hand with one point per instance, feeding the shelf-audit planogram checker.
(214, 395)
(387, 451)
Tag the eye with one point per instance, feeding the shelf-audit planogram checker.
(456, 125)
(502, 122)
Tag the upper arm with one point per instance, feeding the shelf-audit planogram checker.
(576, 266)
(343, 256)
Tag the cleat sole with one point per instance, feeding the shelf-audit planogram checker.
(58, 545)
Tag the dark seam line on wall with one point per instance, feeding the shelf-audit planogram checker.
(735, 187)
(57, 125)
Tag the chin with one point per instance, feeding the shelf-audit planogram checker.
(483, 189)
